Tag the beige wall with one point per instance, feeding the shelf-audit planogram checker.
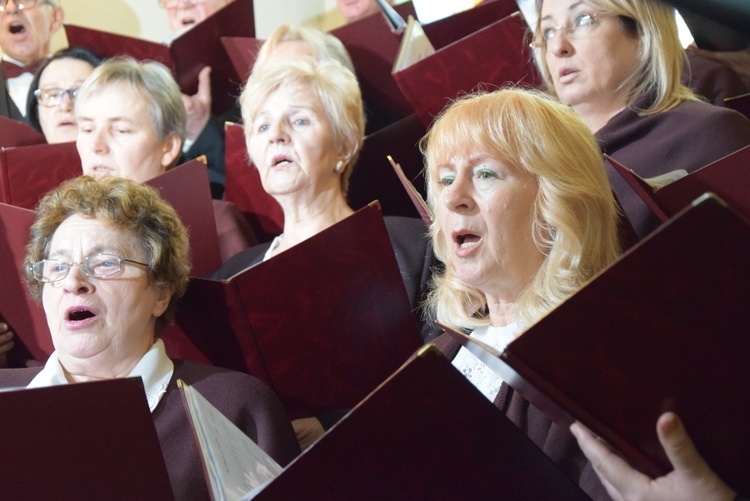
(145, 19)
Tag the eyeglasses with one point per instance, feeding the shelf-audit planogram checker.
(98, 266)
(578, 27)
(22, 4)
(53, 97)
(172, 4)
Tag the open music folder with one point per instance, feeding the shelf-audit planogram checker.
(425, 433)
(187, 52)
(322, 323)
(728, 177)
(233, 465)
(665, 328)
(491, 57)
(93, 440)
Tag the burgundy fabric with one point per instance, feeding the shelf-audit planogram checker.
(687, 137)
(711, 79)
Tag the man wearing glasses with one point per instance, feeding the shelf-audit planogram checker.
(26, 28)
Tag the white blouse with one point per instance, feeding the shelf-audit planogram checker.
(485, 379)
(155, 368)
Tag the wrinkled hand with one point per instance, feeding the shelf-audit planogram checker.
(691, 479)
(198, 106)
(308, 430)
(6, 343)
(739, 60)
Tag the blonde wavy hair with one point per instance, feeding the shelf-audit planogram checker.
(574, 213)
(659, 66)
(126, 205)
(323, 45)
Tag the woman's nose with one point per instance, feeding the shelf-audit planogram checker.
(457, 196)
(77, 281)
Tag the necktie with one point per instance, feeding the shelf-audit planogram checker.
(11, 70)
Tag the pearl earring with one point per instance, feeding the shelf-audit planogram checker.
(339, 166)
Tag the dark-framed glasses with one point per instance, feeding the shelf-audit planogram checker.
(22, 4)
(96, 266)
(580, 26)
(52, 97)
(173, 4)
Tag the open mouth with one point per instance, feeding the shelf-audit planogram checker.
(79, 315)
(188, 21)
(17, 28)
(466, 240)
(279, 161)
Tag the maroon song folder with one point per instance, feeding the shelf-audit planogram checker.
(463, 66)
(242, 52)
(15, 133)
(322, 323)
(28, 172)
(373, 177)
(443, 32)
(728, 177)
(663, 329)
(91, 440)
(187, 52)
(373, 48)
(425, 433)
(187, 190)
(24, 315)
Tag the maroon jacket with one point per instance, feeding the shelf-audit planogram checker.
(554, 440)
(689, 136)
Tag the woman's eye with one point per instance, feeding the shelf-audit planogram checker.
(486, 174)
(548, 34)
(262, 127)
(447, 180)
(301, 121)
(583, 20)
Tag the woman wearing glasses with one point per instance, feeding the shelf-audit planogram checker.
(618, 64)
(109, 259)
(51, 100)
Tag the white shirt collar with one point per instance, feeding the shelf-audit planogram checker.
(154, 368)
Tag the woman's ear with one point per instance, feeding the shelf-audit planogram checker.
(346, 153)
(172, 148)
(164, 295)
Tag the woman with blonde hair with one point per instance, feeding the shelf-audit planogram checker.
(523, 217)
(618, 64)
